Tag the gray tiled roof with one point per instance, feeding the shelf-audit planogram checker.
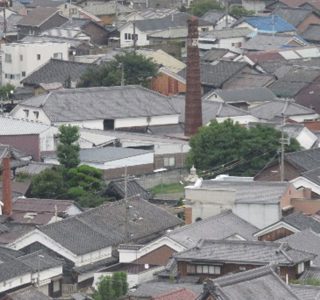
(302, 222)
(101, 103)
(227, 33)
(172, 21)
(210, 110)
(11, 126)
(312, 175)
(311, 34)
(40, 260)
(311, 273)
(304, 160)
(155, 288)
(108, 154)
(133, 189)
(306, 292)
(278, 109)
(260, 283)
(219, 227)
(305, 240)
(13, 264)
(57, 70)
(37, 16)
(255, 94)
(214, 54)
(294, 81)
(216, 74)
(294, 16)
(213, 16)
(105, 225)
(244, 252)
(251, 191)
(28, 293)
(264, 42)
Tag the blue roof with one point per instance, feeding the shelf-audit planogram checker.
(269, 24)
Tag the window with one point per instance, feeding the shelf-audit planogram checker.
(23, 73)
(169, 162)
(21, 57)
(300, 268)
(57, 55)
(56, 286)
(11, 76)
(203, 269)
(8, 58)
(36, 114)
(191, 269)
(38, 56)
(134, 37)
(6, 75)
(127, 36)
(26, 112)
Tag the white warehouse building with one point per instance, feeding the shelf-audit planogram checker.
(20, 59)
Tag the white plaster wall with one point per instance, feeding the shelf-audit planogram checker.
(29, 62)
(144, 121)
(128, 28)
(90, 124)
(47, 141)
(302, 118)
(222, 22)
(19, 113)
(46, 275)
(222, 43)
(171, 148)
(260, 215)
(129, 255)
(209, 202)
(37, 236)
(306, 138)
(92, 257)
(306, 183)
(240, 119)
(15, 282)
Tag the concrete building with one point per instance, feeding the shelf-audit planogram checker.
(21, 59)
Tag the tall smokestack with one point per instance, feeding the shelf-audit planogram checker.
(193, 105)
(6, 186)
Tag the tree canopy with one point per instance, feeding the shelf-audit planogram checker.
(83, 183)
(235, 149)
(200, 7)
(112, 288)
(136, 69)
(68, 147)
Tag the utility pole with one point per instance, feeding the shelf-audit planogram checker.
(134, 36)
(4, 20)
(122, 74)
(127, 237)
(283, 141)
(227, 12)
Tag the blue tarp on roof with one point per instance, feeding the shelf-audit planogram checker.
(269, 24)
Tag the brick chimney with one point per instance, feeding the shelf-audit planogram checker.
(187, 215)
(193, 105)
(6, 187)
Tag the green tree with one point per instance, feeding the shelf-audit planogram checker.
(239, 11)
(49, 184)
(68, 147)
(104, 290)
(135, 67)
(230, 146)
(112, 288)
(6, 90)
(200, 7)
